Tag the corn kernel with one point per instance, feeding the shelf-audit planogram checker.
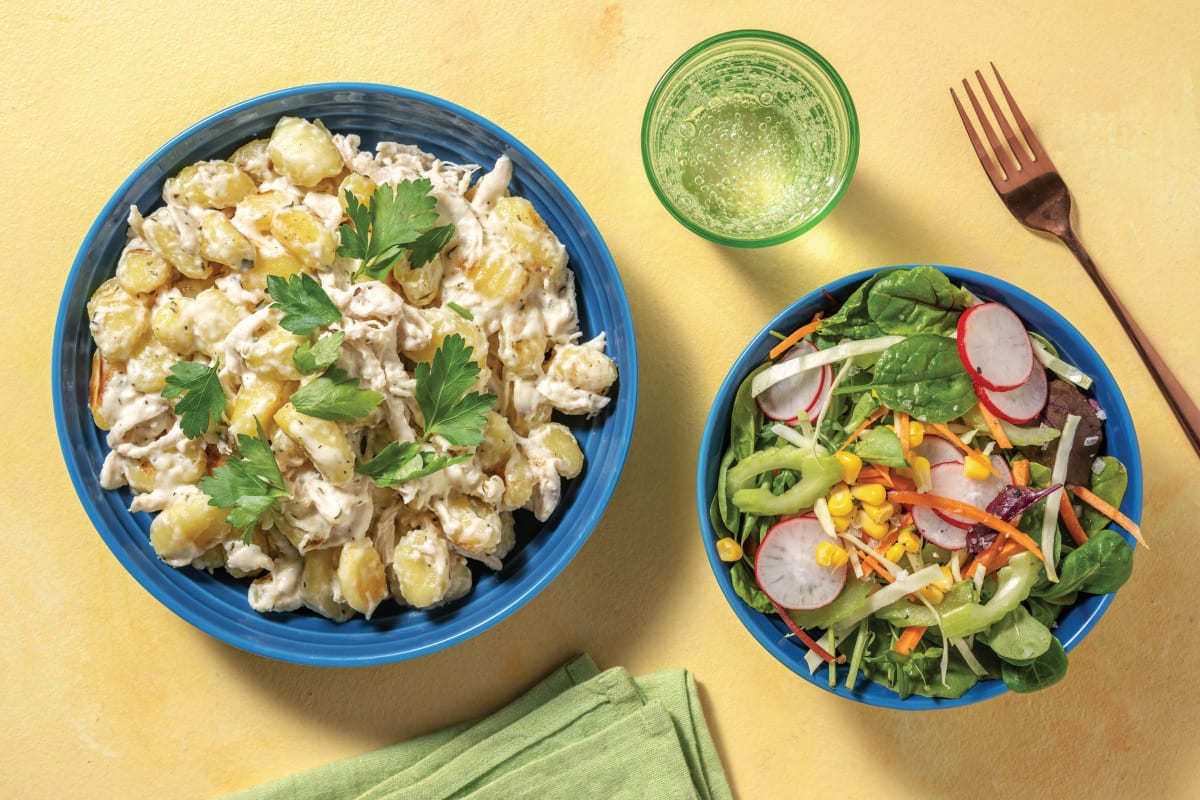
(841, 523)
(841, 504)
(933, 594)
(851, 465)
(921, 472)
(879, 513)
(976, 468)
(946, 582)
(916, 433)
(874, 493)
(876, 530)
(728, 549)
(824, 554)
(908, 541)
(894, 553)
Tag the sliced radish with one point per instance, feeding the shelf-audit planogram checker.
(786, 400)
(937, 530)
(994, 346)
(950, 480)
(1019, 405)
(814, 408)
(937, 450)
(787, 569)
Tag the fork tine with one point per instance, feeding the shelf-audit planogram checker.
(998, 151)
(1014, 144)
(1035, 146)
(985, 159)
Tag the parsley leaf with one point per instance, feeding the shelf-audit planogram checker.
(398, 463)
(429, 244)
(397, 218)
(450, 411)
(334, 395)
(441, 392)
(310, 357)
(247, 486)
(304, 303)
(203, 398)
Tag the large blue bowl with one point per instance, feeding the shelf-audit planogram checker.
(217, 604)
(1120, 441)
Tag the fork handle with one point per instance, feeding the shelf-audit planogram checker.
(1181, 404)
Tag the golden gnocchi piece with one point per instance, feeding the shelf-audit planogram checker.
(142, 271)
(323, 440)
(361, 576)
(186, 528)
(221, 242)
(165, 239)
(212, 184)
(118, 321)
(304, 151)
(303, 235)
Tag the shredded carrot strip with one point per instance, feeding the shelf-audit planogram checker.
(1009, 550)
(986, 560)
(1071, 521)
(902, 483)
(907, 642)
(802, 636)
(1109, 510)
(1020, 472)
(866, 423)
(970, 512)
(796, 335)
(942, 429)
(902, 430)
(888, 541)
(996, 429)
(876, 473)
(870, 563)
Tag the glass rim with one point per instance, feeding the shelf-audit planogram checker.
(750, 35)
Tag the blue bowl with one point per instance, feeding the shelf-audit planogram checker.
(1121, 442)
(217, 604)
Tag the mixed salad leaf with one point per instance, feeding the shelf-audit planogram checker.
(947, 464)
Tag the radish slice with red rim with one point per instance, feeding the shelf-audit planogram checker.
(994, 346)
(786, 565)
(787, 400)
(950, 480)
(814, 408)
(938, 531)
(1020, 405)
(937, 450)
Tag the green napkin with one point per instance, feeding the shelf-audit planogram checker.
(577, 733)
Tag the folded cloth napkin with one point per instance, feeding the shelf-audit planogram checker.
(579, 733)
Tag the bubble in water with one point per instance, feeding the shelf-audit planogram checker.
(687, 129)
(766, 98)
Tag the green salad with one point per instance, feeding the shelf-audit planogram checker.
(915, 485)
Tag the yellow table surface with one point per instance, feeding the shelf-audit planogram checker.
(106, 693)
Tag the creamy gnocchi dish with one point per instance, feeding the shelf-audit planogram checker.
(335, 371)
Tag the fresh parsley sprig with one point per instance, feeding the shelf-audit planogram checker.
(396, 219)
(304, 303)
(312, 357)
(201, 397)
(449, 410)
(248, 486)
(335, 395)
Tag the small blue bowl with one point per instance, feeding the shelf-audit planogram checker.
(1120, 442)
(217, 603)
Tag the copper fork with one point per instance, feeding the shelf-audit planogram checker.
(1036, 195)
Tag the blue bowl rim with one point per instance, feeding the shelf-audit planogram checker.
(322, 650)
(769, 631)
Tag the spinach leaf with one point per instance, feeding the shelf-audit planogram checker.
(747, 588)
(881, 445)
(917, 300)
(1109, 485)
(853, 319)
(1045, 611)
(1100, 565)
(744, 418)
(924, 376)
(1046, 670)
(1019, 638)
